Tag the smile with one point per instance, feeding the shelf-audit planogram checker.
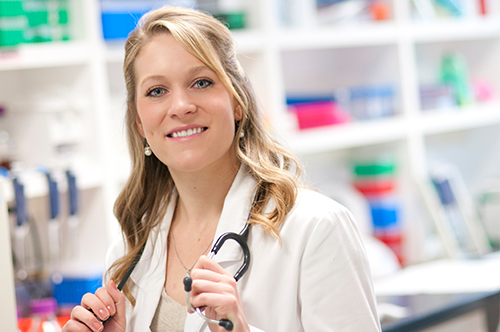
(185, 133)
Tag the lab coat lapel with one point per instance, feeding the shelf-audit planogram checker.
(149, 274)
(194, 323)
(233, 218)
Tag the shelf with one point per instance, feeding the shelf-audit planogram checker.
(437, 122)
(456, 30)
(348, 135)
(372, 34)
(44, 55)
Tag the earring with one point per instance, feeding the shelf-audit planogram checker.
(147, 150)
(237, 125)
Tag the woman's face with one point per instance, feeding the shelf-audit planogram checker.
(184, 111)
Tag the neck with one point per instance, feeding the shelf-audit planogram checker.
(202, 194)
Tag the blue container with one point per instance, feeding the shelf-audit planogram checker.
(116, 25)
(385, 215)
(120, 17)
(71, 290)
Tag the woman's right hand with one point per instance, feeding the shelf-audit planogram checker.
(107, 302)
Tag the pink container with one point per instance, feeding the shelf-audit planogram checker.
(318, 114)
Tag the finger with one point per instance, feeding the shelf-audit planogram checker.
(118, 300)
(206, 263)
(103, 295)
(217, 299)
(75, 326)
(208, 269)
(224, 286)
(92, 302)
(83, 316)
(95, 303)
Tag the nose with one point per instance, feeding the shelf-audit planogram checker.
(181, 104)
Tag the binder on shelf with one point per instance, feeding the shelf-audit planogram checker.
(457, 219)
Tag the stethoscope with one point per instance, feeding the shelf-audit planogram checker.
(241, 239)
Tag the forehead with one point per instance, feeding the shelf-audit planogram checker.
(163, 52)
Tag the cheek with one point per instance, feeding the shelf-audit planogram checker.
(146, 116)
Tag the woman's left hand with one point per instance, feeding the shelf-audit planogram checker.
(214, 289)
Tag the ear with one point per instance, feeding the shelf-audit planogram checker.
(238, 114)
(139, 126)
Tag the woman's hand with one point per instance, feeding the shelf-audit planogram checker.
(107, 302)
(215, 290)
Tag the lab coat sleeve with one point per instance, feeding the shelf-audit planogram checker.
(336, 292)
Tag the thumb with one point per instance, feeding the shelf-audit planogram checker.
(119, 300)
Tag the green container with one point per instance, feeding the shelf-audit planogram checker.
(12, 23)
(375, 169)
(38, 21)
(59, 20)
(11, 8)
(48, 20)
(232, 20)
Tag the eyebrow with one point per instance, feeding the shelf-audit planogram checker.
(192, 71)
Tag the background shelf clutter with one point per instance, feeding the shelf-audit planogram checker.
(373, 95)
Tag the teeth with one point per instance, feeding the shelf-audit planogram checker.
(188, 132)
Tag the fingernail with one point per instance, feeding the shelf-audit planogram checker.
(111, 311)
(98, 326)
(103, 314)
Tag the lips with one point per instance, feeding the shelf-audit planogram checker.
(186, 132)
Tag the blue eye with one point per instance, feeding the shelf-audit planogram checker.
(155, 92)
(202, 84)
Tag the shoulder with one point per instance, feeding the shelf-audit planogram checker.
(316, 217)
(316, 206)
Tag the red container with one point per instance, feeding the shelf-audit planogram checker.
(375, 187)
(394, 240)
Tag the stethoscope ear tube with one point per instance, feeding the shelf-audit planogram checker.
(242, 241)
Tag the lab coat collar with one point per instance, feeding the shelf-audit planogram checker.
(154, 257)
(149, 274)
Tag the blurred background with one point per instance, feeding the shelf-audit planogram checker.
(392, 105)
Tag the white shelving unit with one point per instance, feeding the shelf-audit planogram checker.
(279, 60)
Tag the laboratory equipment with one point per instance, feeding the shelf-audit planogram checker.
(54, 230)
(43, 315)
(73, 222)
(22, 228)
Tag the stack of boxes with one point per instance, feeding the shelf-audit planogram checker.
(33, 21)
(47, 20)
(375, 179)
(12, 23)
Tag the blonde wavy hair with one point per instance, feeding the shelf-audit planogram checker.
(142, 203)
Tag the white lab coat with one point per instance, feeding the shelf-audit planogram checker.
(317, 279)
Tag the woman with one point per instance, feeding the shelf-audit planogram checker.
(201, 164)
